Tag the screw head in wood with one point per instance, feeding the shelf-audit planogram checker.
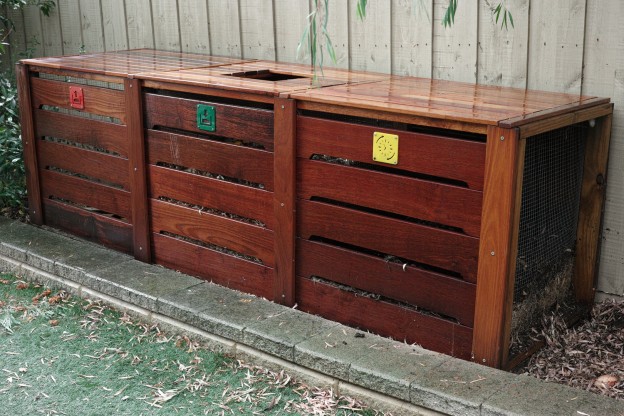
(502, 138)
(492, 253)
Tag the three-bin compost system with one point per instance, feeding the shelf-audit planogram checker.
(440, 213)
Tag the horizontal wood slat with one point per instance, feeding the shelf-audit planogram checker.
(84, 192)
(101, 101)
(384, 318)
(422, 288)
(226, 159)
(220, 268)
(422, 244)
(425, 200)
(224, 196)
(213, 229)
(92, 226)
(235, 122)
(457, 159)
(108, 168)
(100, 134)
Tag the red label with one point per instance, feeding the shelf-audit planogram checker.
(76, 98)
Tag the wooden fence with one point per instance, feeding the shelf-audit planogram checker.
(572, 46)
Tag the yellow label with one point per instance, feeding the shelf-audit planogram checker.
(386, 148)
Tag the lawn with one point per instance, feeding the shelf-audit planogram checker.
(63, 355)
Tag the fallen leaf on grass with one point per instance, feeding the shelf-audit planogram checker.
(54, 322)
(4, 282)
(22, 286)
(54, 300)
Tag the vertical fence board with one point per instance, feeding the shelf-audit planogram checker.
(290, 22)
(502, 53)
(114, 22)
(338, 28)
(257, 36)
(412, 37)
(91, 23)
(603, 75)
(556, 45)
(70, 26)
(33, 30)
(370, 40)
(165, 20)
(194, 31)
(224, 25)
(139, 24)
(51, 29)
(455, 47)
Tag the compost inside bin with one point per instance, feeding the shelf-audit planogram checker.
(266, 75)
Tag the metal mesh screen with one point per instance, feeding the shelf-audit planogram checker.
(553, 171)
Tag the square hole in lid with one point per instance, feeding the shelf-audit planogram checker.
(266, 75)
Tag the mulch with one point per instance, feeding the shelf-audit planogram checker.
(588, 356)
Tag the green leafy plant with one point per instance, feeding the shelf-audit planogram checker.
(449, 16)
(12, 170)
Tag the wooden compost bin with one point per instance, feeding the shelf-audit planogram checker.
(220, 145)
(392, 204)
(82, 133)
(408, 205)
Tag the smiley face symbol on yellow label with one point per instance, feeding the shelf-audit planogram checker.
(385, 148)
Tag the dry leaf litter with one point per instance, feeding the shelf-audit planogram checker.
(589, 356)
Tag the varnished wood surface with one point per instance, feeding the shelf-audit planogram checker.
(448, 100)
(498, 248)
(101, 229)
(128, 63)
(384, 318)
(223, 77)
(220, 268)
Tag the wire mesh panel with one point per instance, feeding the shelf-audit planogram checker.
(553, 172)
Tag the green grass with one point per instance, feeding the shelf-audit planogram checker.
(62, 355)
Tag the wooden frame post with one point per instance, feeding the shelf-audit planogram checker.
(590, 208)
(504, 166)
(138, 171)
(29, 142)
(284, 199)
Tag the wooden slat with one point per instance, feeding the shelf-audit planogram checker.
(101, 101)
(224, 24)
(425, 200)
(100, 134)
(30, 144)
(91, 22)
(108, 168)
(247, 239)
(114, 25)
(81, 191)
(212, 193)
(412, 33)
(165, 20)
(139, 24)
(455, 47)
(71, 33)
(499, 246)
(137, 171)
(425, 289)
(248, 124)
(225, 159)
(284, 200)
(290, 23)
(458, 159)
(370, 39)
(194, 26)
(383, 318)
(257, 29)
(217, 267)
(590, 210)
(92, 226)
(432, 246)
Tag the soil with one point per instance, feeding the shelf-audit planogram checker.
(588, 356)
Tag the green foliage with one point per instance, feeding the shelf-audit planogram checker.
(449, 16)
(12, 172)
